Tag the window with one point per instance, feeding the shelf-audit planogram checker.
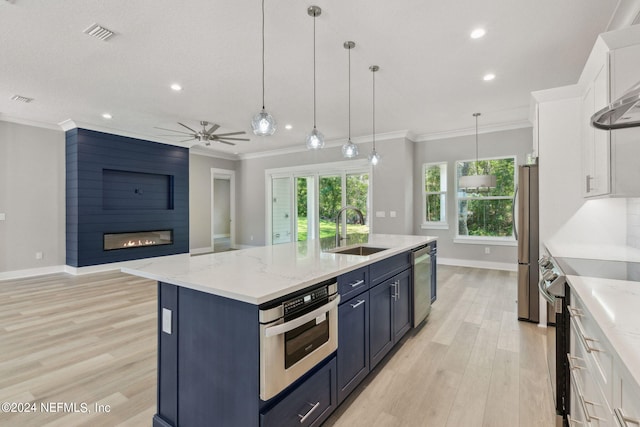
(487, 214)
(434, 199)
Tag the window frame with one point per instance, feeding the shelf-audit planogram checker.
(494, 240)
(443, 225)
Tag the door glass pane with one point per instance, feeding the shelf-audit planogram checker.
(281, 222)
(305, 208)
(330, 195)
(357, 196)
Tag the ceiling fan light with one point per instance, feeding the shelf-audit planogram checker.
(315, 140)
(263, 124)
(349, 150)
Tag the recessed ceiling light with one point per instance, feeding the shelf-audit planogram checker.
(106, 116)
(489, 77)
(478, 33)
(176, 87)
(288, 127)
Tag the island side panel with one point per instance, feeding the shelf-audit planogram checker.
(167, 358)
(218, 361)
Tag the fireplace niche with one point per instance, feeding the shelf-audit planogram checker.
(128, 240)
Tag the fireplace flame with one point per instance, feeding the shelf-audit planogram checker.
(132, 243)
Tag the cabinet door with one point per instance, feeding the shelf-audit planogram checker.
(586, 137)
(402, 305)
(601, 138)
(353, 344)
(380, 317)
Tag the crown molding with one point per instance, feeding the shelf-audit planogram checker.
(35, 123)
(520, 124)
(198, 150)
(328, 144)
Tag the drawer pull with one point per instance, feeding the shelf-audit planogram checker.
(624, 420)
(573, 365)
(580, 330)
(304, 417)
(573, 422)
(581, 400)
(356, 283)
(358, 304)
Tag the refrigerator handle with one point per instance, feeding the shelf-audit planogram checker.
(513, 212)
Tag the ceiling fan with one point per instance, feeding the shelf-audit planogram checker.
(206, 135)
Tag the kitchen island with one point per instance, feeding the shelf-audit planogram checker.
(210, 334)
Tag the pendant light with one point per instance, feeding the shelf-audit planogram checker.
(374, 157)
(315, 139)
(349, 150)
(477, 182)
(263, 123)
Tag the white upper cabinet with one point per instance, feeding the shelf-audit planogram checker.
(609, 158)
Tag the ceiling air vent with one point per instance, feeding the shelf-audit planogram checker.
(21, 98)
(99, 32)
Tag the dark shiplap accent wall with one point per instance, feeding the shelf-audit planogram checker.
(138, 170)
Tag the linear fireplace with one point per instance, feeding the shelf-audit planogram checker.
(138, 239)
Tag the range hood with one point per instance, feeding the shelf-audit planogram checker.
(622, 113)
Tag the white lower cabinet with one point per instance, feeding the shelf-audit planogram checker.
(603, 392)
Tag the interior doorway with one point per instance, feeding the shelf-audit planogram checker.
(222, 210)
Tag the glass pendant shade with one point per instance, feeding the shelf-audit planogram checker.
(374, 157)
(315, 140)
(349, 150)
(264, 124)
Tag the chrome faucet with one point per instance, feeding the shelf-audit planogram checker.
(358, 211)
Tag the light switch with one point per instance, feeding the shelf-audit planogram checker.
(166, 321)
(392, 214)
(380, 214)
(2, 217)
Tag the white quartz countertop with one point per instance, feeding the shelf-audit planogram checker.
(614, 306)
(261, 274)
(595, 251)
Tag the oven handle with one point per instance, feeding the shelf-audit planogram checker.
(299, 321)
(543, 291)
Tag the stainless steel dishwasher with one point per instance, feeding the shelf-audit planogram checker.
(422, 279)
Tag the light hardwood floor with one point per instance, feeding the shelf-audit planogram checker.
(92, 339)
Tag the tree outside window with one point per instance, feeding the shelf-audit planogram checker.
(434, 198)
(487, 213)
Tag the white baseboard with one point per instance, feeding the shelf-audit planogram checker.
(478, 264)
(218, 236)
(200, 251)
(31, 272)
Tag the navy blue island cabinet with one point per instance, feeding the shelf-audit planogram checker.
(209, 361)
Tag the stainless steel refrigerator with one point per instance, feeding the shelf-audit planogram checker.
(528, 243)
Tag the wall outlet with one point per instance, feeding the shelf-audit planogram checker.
(38, 255)
(251, 238)
(392, 214)
(487, 250)
(2, 217)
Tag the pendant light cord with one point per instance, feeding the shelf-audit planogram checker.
(262, 54)
(314, 70)
(349, 49)
(374, 110)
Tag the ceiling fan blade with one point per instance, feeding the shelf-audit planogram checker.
(213, 129)
(225, 142)
(185, 140)
(173, 130)
(234, 139)
(231, 133)
(183, 125)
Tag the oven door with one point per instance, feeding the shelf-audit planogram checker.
(289, 349)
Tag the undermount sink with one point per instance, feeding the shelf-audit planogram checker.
(358, 250)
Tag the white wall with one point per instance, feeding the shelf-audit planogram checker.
(517, 142)
(32, 195)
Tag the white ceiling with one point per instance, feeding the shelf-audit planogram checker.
(429, 83)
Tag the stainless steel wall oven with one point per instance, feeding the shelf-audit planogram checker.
(296, 333)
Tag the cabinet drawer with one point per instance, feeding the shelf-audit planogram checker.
(587, 335)
(352, 283)
(307, 405)
(586, 396)
(382, 270)
(626, 407)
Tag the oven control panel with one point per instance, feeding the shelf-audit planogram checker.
(306, 300)
(552, 276)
